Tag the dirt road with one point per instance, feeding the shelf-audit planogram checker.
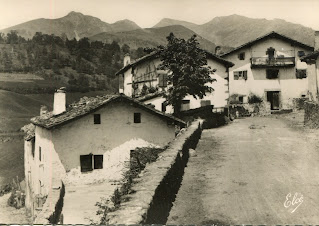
(243, 173)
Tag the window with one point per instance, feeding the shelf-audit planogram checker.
(162, 80)
(163, 107)
(40, 154)
(33, 148)
(137, 117)
(241, 99)
(86, 163)
(238, 75)
(301, 53)
(301, 73)
(98, 161)
(204, 103)
(97, 119)
(272, 73)
(241, 56)
(185, 105)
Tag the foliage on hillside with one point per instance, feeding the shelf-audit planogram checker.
(80, 65)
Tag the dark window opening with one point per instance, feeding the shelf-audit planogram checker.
(241, 99)
(205, 103)
(301, 53)
(86, 163)
(271, 53)
(97, 119)
(240, 75)
(272, 73)
(163, 107)
(301, 73)
(40, 153)
(33, 148)
(241, 56)
(137, 117)
(98, 161)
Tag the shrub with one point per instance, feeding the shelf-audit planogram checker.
(234, 99)
(254, 99)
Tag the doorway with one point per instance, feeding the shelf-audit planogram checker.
(274, 99)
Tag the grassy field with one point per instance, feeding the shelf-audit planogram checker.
(15, 112)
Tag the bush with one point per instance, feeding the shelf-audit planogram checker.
(17, 197)
(254, 99)
(234, 99)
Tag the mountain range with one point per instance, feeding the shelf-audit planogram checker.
(230, 31)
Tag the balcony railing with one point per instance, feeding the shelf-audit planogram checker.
(272, 62)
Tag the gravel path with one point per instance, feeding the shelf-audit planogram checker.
(244, 172)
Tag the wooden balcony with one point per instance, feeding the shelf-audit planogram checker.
(264, 62)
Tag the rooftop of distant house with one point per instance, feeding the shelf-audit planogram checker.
(88, 105)
(311, 56)
(155, 54)
(272, 34)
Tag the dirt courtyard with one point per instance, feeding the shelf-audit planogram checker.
(261, 170)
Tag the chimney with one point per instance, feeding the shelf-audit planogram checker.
(217, 50)
(316, 40)
(59, 102)
(43, 110)
(127, 59)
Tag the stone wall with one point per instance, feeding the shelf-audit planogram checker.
(311, 114)
(244, 110)
(158, 180)
(52, 208)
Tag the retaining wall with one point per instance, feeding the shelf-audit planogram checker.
(311, 118)
(155, 189)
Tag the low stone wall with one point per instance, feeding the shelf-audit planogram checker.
(155, 189)
(212, 119)
(244, 110)
(52, 208)
(311, 115)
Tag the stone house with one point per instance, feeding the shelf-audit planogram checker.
(269, 67)
(86, 136)
(143, 73)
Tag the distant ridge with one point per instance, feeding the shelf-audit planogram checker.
(73, 25)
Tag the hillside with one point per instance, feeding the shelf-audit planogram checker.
(151, 37)
(235, 30)
(74, 25)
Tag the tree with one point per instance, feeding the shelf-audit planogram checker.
(188, 73)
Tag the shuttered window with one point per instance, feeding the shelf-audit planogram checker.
(86, 163)
(162, 80)
(98, 161)
(240, 75)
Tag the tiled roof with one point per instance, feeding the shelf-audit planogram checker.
(150, 96)
(272, 34)
(29, 131)
(88, 105)
(154, 55)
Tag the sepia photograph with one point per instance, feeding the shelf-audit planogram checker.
(165, 112)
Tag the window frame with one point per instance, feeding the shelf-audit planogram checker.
(241, 75)
(40, 154)
(241, 56)
(270, 76)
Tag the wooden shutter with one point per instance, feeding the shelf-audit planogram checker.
(86, 163)
(245, 75)
(236, 75)
(162, 80)
(98, 161)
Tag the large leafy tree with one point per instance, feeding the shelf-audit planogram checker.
(188, 73)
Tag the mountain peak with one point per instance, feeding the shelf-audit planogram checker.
(73, 13)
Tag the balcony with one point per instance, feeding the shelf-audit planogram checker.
(263, 62)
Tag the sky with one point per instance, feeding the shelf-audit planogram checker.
(146, 13)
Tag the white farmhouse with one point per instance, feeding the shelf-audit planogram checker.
(86, 135)
(269, 67)
(135, 76)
